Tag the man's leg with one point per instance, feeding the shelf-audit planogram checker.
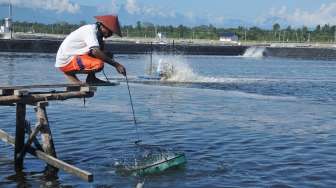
(92, 79)
(83, 64)
(72, 78)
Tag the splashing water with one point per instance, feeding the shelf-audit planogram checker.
(180, 71)
(255, 52)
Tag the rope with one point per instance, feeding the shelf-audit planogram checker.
(135, 123)
(130, 97)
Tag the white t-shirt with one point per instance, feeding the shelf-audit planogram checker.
(79, 42)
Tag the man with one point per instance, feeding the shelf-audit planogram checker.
(82, 52)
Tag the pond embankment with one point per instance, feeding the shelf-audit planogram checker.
(126, 47)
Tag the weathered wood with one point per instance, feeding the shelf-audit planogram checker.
(88, 89)
(85, 175)
(73, 88)
(19, 135)
(17, 95)
(20, 92)
(47, 140)
(7, 138)
(58, 85)
(6, 92)
(30, 140)
(29, 132)
(34, 98)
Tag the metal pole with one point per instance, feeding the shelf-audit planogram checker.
(151, 59)
(245, 36)
(10, 20)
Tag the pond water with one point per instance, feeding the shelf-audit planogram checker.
(241, 122)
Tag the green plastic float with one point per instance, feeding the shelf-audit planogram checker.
(151, 160)
(160, 164)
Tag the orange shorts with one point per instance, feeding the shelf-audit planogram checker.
(83, 63)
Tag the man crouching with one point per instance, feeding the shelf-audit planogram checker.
(82, 51)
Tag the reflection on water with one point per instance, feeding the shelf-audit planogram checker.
(258, 123)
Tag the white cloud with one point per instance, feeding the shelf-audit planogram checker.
(132, 7)
(111, 8)
(326, 14)
(189, 15)
(56, 5)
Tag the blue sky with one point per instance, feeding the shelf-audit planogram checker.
(296, 12)
(196, 12)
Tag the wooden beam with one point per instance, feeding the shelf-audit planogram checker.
(30, 140)
(47, 140)
(82, 88)
(6, 91)
(19, 135)
(7, 138)
(85, 175)
(73, 88)
(58, 85)
(21, 92)
(88, 89)
(34, 98)
(29, 132)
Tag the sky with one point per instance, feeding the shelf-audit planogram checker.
(216, 12)
(296, 12)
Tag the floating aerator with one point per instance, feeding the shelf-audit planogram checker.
(151, 160)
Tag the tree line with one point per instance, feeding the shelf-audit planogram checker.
(321, 33)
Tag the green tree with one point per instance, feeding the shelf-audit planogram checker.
(276, 27)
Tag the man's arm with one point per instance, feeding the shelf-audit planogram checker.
(96, 52)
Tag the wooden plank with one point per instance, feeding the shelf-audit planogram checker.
(19, 135)
(73, 88)
(47, 140)
(29, 132)
(57, 85)
(7, 138)
(82, 88)
(30, 140)
(21, 92)
(6, 92)
(88, 89)
(34, 98)
(85, 175)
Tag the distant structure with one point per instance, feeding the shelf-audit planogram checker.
(6, 30)
(228, 37)
(161, 37)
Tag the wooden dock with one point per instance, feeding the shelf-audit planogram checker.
(20, 97)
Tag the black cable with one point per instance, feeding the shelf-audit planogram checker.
(105, 76)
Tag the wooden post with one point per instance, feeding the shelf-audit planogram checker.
(85, 175)
(31, 139)
(15, 95)
(19, 135)
(47, 141)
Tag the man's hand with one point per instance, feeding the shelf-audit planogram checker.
(120, 68)
(96, 52)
